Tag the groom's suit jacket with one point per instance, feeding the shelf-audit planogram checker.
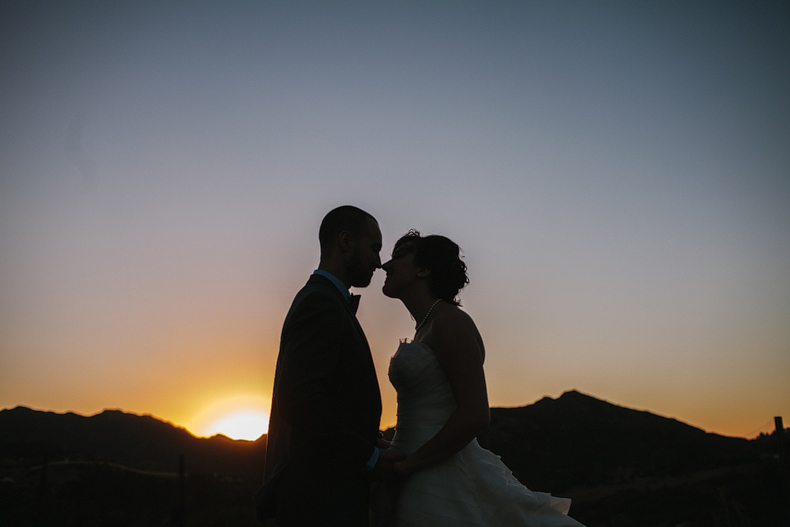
(326, 410)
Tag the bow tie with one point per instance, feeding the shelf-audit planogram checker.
(353, 302)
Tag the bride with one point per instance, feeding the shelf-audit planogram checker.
(446, 479)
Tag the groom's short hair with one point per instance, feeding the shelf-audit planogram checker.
(344, 218)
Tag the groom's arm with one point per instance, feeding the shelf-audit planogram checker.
(315, 342)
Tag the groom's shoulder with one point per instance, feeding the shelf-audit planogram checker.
(318, 284)
(316, 303)
(318, 289)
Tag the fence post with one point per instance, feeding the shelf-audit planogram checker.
(42, 497)
(781, 440)
(179, 509)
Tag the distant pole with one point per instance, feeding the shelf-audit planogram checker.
(781, 449)
(182, 488)
(265, 448)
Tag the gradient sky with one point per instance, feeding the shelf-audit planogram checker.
(617, 173)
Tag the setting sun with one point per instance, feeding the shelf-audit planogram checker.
(242, 424)
(238, 417)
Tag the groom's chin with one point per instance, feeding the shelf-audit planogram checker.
(362, 281)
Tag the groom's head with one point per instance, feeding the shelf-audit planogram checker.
(350, 245)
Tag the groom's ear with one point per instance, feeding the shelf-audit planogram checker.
(344, 241)
(423, 272)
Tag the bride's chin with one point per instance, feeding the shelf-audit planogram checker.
(388, 293)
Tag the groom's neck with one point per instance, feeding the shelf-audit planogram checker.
(337, 270)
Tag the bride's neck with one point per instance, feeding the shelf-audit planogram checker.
(419, 305)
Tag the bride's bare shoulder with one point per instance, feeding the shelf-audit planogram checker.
(454, 321)
(452, 314)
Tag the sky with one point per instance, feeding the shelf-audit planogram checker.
(617, 174)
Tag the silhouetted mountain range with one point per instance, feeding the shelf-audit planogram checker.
(621, 467)
(141, 442)
(552, 444)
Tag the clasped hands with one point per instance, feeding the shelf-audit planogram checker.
(391, 464)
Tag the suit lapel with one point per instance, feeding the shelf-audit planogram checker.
(364, 348)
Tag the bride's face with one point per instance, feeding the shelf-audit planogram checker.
(401, 271)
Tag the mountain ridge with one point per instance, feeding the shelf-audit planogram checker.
(552, 443)
(577, 439)
(139, 441)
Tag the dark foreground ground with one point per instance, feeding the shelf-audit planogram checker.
(93, 494)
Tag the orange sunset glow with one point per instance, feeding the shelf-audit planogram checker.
(616, 175)
(238, 417)
(239, 424)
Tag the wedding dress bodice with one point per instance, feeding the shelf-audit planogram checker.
(425, 399)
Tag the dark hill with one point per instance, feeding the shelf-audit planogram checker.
(552, 444)
(576, 439)
(141, 442)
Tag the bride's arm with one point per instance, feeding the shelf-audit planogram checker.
(457, 344)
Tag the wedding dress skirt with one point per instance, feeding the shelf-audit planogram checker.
(470, 488)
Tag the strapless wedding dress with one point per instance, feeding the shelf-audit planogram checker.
(472, 487)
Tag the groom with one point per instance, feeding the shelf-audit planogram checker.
(324, 423)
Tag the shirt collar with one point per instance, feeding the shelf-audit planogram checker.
(335, 280)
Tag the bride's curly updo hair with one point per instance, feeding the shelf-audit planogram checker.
(442, 257)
